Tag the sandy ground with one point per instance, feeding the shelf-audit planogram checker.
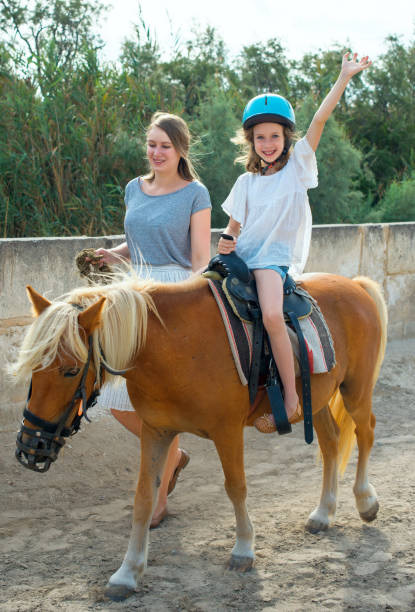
(65, 532)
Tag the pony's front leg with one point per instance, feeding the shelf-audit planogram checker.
(229, 444)
(328, 437)
(154, 449)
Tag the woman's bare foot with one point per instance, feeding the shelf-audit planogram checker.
(158, 517)
(183, 460)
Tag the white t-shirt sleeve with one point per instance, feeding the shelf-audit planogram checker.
(236, 202)
(304, 159)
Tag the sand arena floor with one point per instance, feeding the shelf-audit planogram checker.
(65, 532)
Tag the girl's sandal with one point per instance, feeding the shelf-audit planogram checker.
(156, 521)
(266, 424)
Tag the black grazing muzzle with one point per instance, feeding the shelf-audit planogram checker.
(38, 448)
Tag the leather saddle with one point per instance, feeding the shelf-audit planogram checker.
(238, 284)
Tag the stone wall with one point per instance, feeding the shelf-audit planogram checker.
(386, 253)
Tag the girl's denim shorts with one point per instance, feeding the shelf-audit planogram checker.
(281, 270)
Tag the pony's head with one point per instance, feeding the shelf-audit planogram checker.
(63, 352)
(59, 349)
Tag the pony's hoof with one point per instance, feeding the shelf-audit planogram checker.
(118, 592)
(315, 526)
(241, 564)
(371, 514)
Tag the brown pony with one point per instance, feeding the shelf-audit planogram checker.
(171, 342)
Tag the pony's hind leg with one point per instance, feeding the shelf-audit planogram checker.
(154, 449)
(365, 494)
(229, 445)
(359, 407)
(328, 439)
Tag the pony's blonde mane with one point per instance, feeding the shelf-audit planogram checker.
(121, 335)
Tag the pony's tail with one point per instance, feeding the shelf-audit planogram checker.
(373, 289)
(344, 421)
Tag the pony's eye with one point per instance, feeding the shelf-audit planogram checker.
(70, 373)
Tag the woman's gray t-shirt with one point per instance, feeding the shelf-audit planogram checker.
(158, 227)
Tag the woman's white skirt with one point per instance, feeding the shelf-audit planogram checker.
(117, 397)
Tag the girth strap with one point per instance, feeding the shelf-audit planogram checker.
(257, 345)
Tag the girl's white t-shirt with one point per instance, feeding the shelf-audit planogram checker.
(275, 213)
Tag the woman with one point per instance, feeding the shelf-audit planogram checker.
(167, 225)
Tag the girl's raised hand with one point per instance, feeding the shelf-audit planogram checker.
(350, 66)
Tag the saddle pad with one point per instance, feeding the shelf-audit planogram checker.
(316, 333)
(239, 333)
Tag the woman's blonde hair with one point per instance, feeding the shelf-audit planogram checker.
(249, 157)
(179, 134)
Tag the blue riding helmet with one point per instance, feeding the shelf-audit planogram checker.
(268, 108)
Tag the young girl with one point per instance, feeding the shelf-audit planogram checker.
(270, 203)
(167, 223)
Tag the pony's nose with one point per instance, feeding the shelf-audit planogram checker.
(34, 451)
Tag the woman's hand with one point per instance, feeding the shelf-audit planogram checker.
(226, 246)
(107, 257)
(350, 66)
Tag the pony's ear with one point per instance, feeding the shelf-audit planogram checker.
(39, 303)
(90, 318)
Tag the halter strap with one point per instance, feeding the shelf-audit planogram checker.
(51, 436)
(80, 394)
(59, 428)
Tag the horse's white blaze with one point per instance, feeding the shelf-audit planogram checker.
(135, 560)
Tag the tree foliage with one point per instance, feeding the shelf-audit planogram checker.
(398, 203)
(339, 165)
(72, 126)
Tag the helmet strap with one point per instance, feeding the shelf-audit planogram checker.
(267, 166)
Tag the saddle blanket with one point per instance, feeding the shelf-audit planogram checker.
(316, 334)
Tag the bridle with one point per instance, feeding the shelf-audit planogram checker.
(48, 438)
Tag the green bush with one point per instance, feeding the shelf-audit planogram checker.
(72, 126)
(337, 198)
(215, 153)
(398, 203)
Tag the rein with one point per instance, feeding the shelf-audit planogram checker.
(46, 441)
